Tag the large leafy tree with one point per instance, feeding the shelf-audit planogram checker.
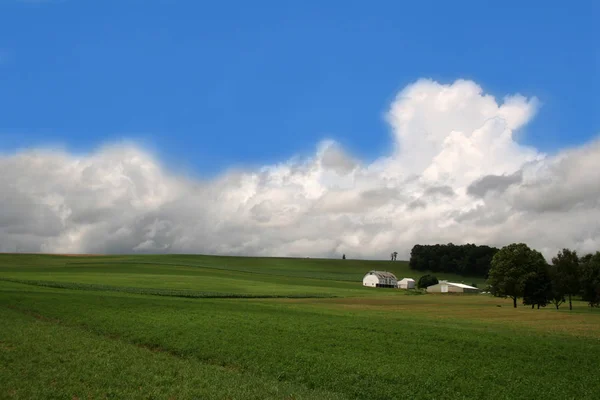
(538, 287)
(558, 288)
(511, 268)
(566, 273)
(585, 259)
(590, 279)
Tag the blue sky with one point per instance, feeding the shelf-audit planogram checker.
(210, 85)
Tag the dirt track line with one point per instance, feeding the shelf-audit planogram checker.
(153, 348)
(187, 294)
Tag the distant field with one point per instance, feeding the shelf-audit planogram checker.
(339, 270)
(268, 328)
(228, 275)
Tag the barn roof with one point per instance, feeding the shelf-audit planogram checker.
(460, 285)
(382, 274)
(407, 280)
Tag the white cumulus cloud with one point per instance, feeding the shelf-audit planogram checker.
(456, 174)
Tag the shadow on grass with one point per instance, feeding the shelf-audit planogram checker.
(162, 292)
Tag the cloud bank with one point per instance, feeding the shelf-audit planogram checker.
(456, 174)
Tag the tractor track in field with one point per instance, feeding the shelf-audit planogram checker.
(188, 294)
(151, 347)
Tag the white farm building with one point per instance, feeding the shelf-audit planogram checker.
(380, 279)
(451, 287)
(406, 283)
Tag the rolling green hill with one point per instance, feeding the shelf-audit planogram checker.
(248, 275)
(179, 327)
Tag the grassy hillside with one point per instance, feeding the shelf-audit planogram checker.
(208, 273)
(100, 327)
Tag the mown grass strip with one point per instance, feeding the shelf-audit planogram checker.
(162, 292)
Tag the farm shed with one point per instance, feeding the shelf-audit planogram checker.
(380, 279)
(406, 283)
(451, 287)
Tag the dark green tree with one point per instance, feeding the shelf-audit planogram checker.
(426, 281)
(510, 269)
(467, 259)
(585, 258)
(445, 263)
(558, 290)
(590, 279)
(557, 299)
(538, 287)
(566, 274)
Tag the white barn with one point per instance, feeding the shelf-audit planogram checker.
(451, 287)
(380, 279)
(406, 283)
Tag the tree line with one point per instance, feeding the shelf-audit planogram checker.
(517, 271)
(467, 259)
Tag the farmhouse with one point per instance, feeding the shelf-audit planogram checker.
(451, 287)
(406, 283)
(380, 279)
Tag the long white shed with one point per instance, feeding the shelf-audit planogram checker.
(451, 287)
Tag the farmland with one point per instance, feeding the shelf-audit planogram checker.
(273, 328)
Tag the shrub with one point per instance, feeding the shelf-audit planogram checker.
(427, 280)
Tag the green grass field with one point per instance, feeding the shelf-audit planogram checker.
(182, 327)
